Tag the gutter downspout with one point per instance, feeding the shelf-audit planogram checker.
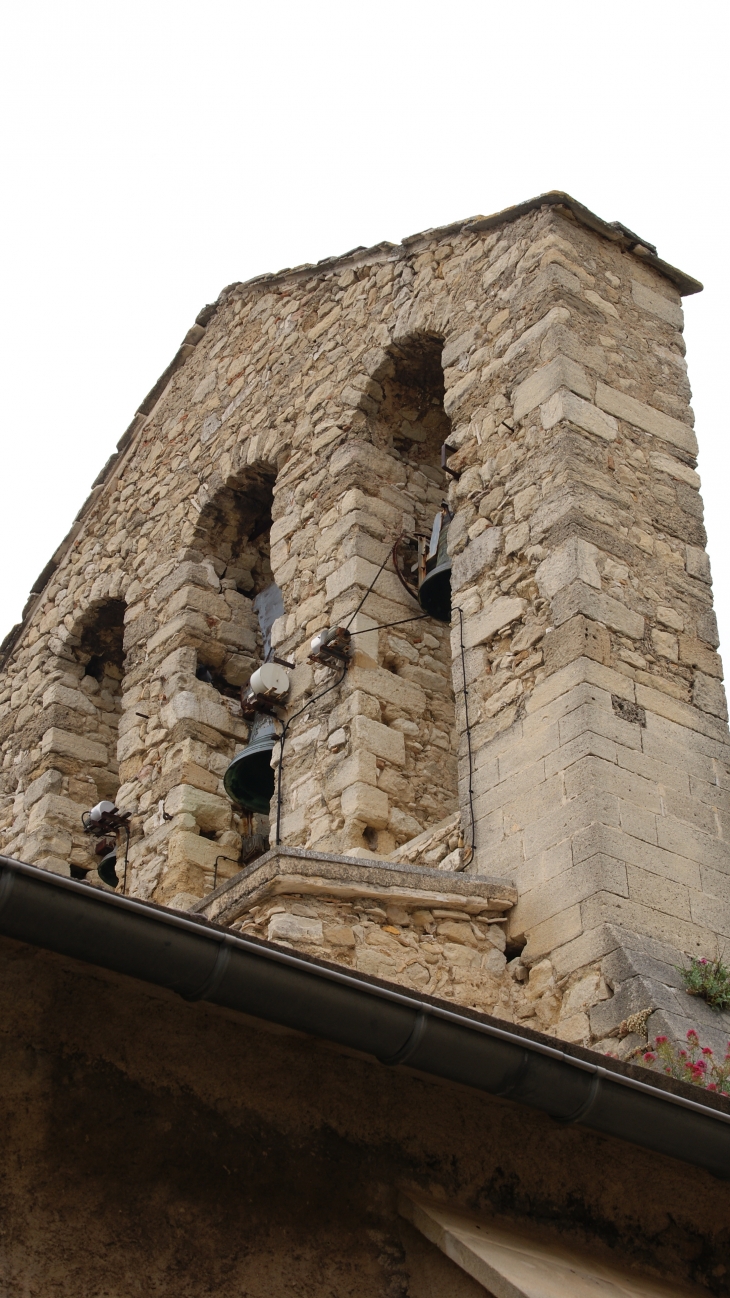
(202, 962)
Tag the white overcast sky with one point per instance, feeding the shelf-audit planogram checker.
(154, 152)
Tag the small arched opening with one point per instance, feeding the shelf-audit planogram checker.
(88, 704)
(234, 535)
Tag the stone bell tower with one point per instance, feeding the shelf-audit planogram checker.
(522, 807)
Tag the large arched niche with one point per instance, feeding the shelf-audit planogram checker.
(409, 423)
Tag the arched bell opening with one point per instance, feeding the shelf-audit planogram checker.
(413, 423)
(412, 426)
(90, 703)
(233, 533)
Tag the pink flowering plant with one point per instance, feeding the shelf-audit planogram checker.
(691, 1063)
(709, 979)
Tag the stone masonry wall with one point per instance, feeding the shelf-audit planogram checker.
(294, 438)
(437, 931)
(579, 566)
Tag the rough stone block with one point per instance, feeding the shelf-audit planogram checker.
(294, 928)
(45, 841)
(584, 950)
(698, 563)
(598, 875)
(52, 808)
(632, 996)
(565, 405)
(186, 705)
(540, 386)
(569, 818)
(709, 695)
(696, 654)
(357, 571)
(646, 417)
(379, 739)
(479, 555)
(364, 802)
(187, 848)
(359, 767)
(707, 628)
(49, 782)
(76, 700)
(657, 304)
(581, 598)
(560, 340)
(211, 812)
(574, 560)
(593, 774)
(388, 687)
(79, 747)
(500, 613)
(686, 718)
(200, 600)
(675, 468)
(551, 933)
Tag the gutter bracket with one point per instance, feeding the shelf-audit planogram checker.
(516, 1077)
(587, 1104)
(412, 1042)
(215, 976)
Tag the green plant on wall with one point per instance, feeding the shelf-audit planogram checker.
(709, 979)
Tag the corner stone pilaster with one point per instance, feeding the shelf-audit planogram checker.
(599, 718)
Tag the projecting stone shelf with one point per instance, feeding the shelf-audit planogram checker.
(284, 871)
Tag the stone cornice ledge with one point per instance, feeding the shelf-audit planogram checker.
(294, 869)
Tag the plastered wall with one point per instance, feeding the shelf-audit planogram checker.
(153, 1146)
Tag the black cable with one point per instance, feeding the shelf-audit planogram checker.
(126, 856)
(468, 736)
(282, 737)
(419, 618)
(221, 857)
(370, 587)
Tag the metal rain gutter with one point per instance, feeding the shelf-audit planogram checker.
(202, 962)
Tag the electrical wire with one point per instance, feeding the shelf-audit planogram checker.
(369, 589)
(282, 737)
(335, 683)
(420, 617)
(126, 858)
(470, 858)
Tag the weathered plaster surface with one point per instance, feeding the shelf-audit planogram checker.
(153, 1147)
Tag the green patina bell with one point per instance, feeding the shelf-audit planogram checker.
(249, 780)
(434, 589)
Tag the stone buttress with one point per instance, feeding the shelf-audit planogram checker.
(294, 440)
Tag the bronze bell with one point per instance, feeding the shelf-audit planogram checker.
(249, 780)
(434, 585)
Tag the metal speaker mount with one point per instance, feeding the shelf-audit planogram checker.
(250, 780)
